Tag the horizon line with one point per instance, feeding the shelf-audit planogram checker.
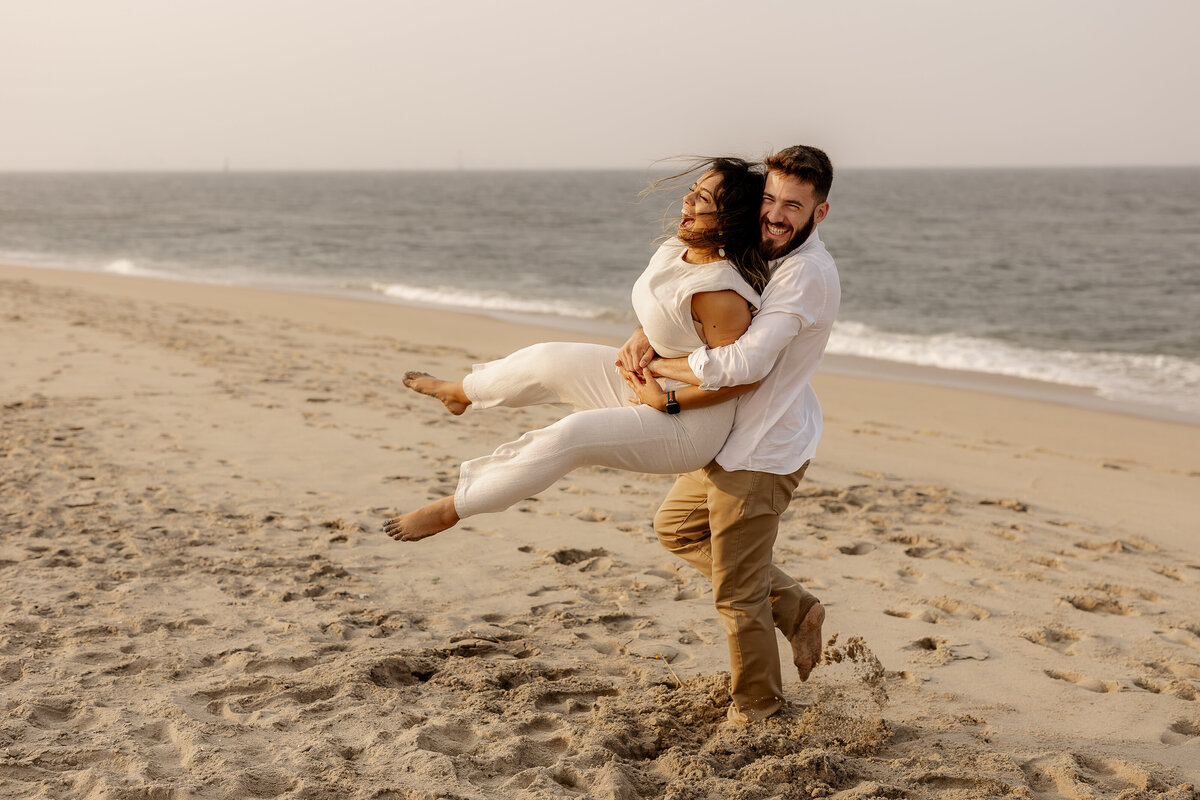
(222, 170)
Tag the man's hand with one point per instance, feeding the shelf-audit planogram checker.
(636, 353)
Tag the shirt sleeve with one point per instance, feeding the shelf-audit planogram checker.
(791, 302)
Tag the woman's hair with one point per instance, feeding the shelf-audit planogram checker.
(737, 226)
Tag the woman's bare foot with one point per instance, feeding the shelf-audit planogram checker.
(449, 392)
(425, 521)
(806, 641)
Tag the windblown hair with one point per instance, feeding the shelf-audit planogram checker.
(737, 221)
(807, 165)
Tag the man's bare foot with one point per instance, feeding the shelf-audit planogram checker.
(449, 392)
(806, 641)
(425, 521)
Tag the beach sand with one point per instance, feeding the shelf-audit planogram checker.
(198, 601)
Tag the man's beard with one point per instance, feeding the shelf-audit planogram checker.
(772, 252)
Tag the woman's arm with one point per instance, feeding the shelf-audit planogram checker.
(721, 317)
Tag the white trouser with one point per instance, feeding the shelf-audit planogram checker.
(604, 430)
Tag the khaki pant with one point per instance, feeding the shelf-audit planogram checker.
(724, 524)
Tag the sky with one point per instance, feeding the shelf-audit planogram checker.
(554, 84)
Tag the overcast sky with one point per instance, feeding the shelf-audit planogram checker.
(369, 84)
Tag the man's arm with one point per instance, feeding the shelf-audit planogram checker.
(750, 358)
(793, 299)
(747, 360)
(677, 368)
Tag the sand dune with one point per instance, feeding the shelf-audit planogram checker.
(199, 604)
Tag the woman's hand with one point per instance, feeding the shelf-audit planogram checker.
(636, 353)
(646, 389)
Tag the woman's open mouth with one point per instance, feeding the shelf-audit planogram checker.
(686, 222)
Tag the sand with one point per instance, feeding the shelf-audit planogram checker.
(198, 602)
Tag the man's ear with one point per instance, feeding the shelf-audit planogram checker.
(820, 213)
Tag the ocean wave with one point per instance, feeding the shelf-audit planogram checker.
(1159, 380)
(123, 266)
(490, 301)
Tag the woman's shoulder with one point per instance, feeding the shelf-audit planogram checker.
(671, 247)
(721, 276)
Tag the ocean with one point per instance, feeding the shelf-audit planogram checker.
(1083, 277)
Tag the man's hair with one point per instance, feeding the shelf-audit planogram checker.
(807, 165)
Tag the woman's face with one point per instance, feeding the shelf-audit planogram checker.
(700, 205)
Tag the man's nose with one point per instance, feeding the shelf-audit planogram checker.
(772, 211)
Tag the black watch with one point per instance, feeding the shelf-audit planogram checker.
(672, 404)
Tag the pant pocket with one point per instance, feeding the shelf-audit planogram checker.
(784, 486)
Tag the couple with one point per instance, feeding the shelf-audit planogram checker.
(745, 242)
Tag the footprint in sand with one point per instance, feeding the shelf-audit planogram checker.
(1055, 637)
(447, 737)
(928, 644)
(1167, 572)
(51, 713)
(264, 702)
(856, 549)
(400, 671)
(1080, 777)
(918, 546)
(1083, 681)
(1118, 546)
(945, 652)
(1181, 636)
(571, 555)
(1175, 688)
(569, 700)
(1180, 669)
(604, 647)
(904, 613)
(1125, 591)
(957, 608)
(1180, 731)
(1099, 605)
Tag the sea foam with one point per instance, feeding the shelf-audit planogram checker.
(1158, 380)
(489, 301)
(123, 266)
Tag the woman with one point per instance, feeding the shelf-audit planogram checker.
(698, 290)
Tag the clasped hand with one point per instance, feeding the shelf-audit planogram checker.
(632, 359)
(645, 388)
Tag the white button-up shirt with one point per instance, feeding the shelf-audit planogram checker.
(778, 425)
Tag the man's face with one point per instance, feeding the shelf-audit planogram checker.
(789, 213)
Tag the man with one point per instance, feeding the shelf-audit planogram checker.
(723, 519)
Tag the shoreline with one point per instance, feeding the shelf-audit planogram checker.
(564, 328)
